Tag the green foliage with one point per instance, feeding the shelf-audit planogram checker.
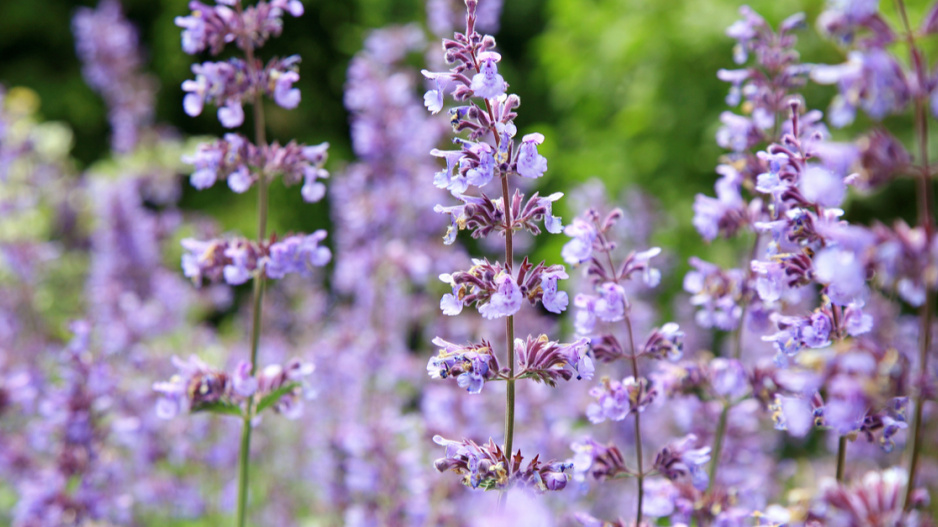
(273, 397)
(219, 407)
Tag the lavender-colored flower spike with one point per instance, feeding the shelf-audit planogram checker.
(488, 152)
(108, 47)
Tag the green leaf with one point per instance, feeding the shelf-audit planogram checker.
(271, 398)
(219, 407)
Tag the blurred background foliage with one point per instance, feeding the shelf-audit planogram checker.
(624, 90)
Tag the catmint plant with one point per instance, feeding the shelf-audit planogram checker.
(248, 390)
(606, 303)
(488, 152)
(817, 278)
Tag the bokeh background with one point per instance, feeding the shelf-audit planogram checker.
(624, 90)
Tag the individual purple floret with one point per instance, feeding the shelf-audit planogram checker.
(609, 306)
(677, 460)
(794, 414)
(665, 342)
(197, 384)
(530, 163)
(488, 84)
(580, 248)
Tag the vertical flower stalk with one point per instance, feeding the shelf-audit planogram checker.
(607, 302)
(926, 222)
(243, 163)
(488, 152)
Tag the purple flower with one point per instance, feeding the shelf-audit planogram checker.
(738, 133)
(506, 301)
(856, 321)
(547, 361)
(482, 171)
(667, 341)
(237, 272)
(108, 47)
(297, 254)
(451, 304)
(724, 213)
(716, 292)
(616, 400)
(677, 460)
(530, 163)
(243, 383)
(600, 461)
(471, 365)
(284, 93)
(488, 84)
(819, 185)
(444, 178)
(195, 384)
(870, 79)
(580, 248)
(554, 301)
(728, 378)
(231, 115)
(843, 273)
(433, 99)
(240, 180)
(794, 414)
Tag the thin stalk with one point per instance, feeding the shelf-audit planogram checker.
(718, 444)
(638, 429)
(926, 220)
(510, 337)
(841, 458)
(640, 477)
(245, 453)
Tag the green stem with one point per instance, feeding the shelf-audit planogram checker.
(718, 444)
(640, 477)
(638, 429)
(245, 453)
(510, 336)
(841, 458)
(926, 221)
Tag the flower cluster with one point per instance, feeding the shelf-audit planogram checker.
(815, 289)
(238, 260)
(489, 152)
(498, 294)
(247, 390)
(197, 386)
(487, 467)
